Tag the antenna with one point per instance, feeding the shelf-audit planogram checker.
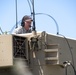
(33, 15)
(16, 12)
(51, 18)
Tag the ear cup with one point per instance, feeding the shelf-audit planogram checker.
(22, 24)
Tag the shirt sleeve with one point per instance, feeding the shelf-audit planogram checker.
(17, 31)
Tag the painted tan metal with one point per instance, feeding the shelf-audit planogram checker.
(53, 51)
(6, 56)
(49, 61)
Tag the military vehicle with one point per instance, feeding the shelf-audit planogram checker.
(37, 53)
(40, 54)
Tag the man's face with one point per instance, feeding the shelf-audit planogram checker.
(28, 24)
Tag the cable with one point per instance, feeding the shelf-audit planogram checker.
(31, 1)
(52, 18)
(29, 6)
(68, 63)
(14, 27)
(73, 68)
(71, 55)
(33, 13)
(68, 46)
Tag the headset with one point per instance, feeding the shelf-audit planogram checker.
(22, 24)
(26, 17)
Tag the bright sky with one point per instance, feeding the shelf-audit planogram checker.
(63, 11)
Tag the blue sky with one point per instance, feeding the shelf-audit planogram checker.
(63, 11)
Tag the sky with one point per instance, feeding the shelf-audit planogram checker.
(62, 11)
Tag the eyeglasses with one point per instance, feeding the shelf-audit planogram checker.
(29, 23)
(28, 20)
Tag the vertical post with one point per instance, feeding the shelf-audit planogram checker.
(16, 12)
(34, 28)
(33, 16)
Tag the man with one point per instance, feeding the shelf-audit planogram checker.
(25, 25)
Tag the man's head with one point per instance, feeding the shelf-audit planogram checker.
(26, 22)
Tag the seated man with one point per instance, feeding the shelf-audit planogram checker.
(25, 26)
